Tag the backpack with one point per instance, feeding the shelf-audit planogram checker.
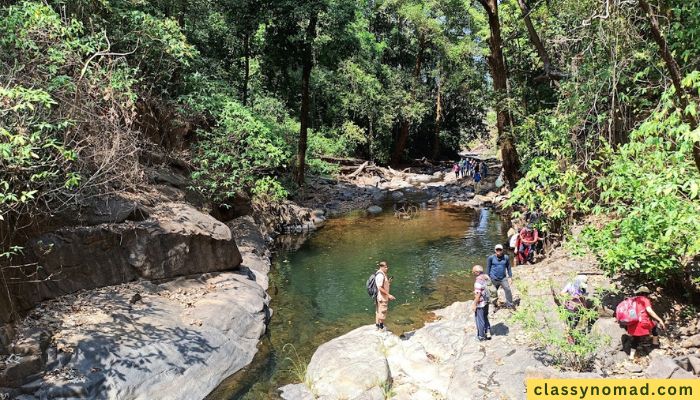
(372, 290)
(627, 311)
(477, 177)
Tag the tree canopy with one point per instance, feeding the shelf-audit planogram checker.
(592, 104)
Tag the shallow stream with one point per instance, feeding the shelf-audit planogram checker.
(318, 290)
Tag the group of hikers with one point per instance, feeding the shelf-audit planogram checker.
(470, 168)
(635, 313)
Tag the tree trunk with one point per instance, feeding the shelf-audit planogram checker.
(675, 72)
(438, 119)
(246, 68)
(509, 154)
(551, 72)
(406, 124)
(401, 142)
(304, 117)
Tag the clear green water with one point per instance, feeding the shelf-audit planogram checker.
(319, 290)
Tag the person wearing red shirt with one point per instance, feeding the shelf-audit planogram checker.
(525, 244)
(645, 326)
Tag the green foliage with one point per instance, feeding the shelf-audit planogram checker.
(268, 190)
(650, 194)
(297, 366)
(32, 160)
(232, 155)
(548, 328)
(559, 192)
(63, 114)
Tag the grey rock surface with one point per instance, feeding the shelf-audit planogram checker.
(374, 210)
(397, 195)
(175, 240)
(442, 360)
(178, 342)
(661, 367)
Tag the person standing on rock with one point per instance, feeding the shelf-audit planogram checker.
(644, 326)
(480, 306)
(383, 282)
(455, 169)
(499, 270)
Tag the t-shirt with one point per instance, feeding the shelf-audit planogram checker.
(529, 236)
(645, 324)
(379, 279)
(577, 297)
(496, 268)
(481, 287)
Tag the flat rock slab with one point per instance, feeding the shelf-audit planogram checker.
(177, 341)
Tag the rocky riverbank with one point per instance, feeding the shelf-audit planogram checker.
(443, 360)
(377, 188)
(141, 271)
(142, 340)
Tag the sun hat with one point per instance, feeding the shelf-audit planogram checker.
(643, 290)
(498, 247)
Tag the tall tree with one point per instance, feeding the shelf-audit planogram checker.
(675, 71)
(550, 71)
(499, 74)
(307, 65)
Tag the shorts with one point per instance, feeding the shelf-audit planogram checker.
(382, 306)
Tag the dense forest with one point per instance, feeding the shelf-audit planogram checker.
(591, 103)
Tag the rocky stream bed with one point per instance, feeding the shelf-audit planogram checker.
(159, 299)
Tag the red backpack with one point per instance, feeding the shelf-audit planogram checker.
(627, 311)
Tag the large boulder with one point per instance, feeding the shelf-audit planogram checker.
(176, 239)
(349, 366)
(611, 332)
(661, 367)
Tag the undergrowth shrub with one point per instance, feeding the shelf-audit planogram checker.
(547, 327)
(240, 149)
(558, 192)
(65, 111)
(650, 195)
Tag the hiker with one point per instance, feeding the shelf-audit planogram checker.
(643, 325)
(574, 295)
(477, 181)
(480, 306)
(498, 269)
(383, 282)
(525, 246)
(513, 240)
(462, 167)
(455, 169)
(484, 169)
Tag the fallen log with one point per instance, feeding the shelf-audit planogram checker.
(358, 170)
